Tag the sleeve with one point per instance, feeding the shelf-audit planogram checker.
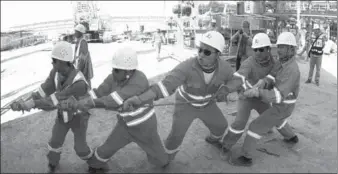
(104, 88)
(281, 89)
(115, 99)
(174, 79)
(235, 37)
(46, 88)
(77, 89)
(238, 79)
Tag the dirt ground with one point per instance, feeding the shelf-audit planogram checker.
(23, 141)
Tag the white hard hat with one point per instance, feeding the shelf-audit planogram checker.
(80, 28)
(213, 21)
(63, 51)
(286, 38)
(261, 40)
(214, 39)
(125, 58)
(316, 26)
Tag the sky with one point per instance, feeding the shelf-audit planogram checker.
(15, 13)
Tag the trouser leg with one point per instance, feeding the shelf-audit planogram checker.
(318, 67)
(182, 118)
(237, 127)
(312, 66)
(59, 132)
(238, 63)
(146, 136)
(79, 125)
(117, 139)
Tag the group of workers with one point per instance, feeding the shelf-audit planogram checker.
(264, 84)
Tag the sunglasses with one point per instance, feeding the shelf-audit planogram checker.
(205, 52)
(259, 49)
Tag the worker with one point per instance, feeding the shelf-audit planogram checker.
(243, 38)
(213, 26)
(316, 53)
(281, 88)
(83, 60)
(139, 126)
(157, 41)
(197, 80)
(63, 82)
(251, 71)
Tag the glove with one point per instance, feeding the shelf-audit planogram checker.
(131, 103)
(221, 94)
(85, 104)
(15, 106)
(22, 105)
(254, 92)
(260, 84)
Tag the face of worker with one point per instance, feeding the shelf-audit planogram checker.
(207, 56)
(317, 32)
(246, 30)
(77, 34)
(213, 24)
(60, 66)
(119, 74)
(285, 52)
(262, 54)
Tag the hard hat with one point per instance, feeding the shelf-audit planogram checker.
(214, 39)
(213, 21)
(80, 28)
(63, 51)
(316, 26)
(286, 38)
(261, 40)
(125, 58)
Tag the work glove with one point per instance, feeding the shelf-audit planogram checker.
(85, 104)
(131, 103)
(260, 84)
(71, 104)
(254, 92)
(23, 105)
(221, 94)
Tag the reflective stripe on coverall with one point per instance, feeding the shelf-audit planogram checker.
(139, 126)
(188, 79)
(250, 73)
(50, 93)
(285, 78)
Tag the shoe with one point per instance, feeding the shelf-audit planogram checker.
(317, 83)
(240, 161)
(214, 142)
(292, 140)
(308, 81)
(51, 168)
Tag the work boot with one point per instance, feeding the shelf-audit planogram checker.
(292, 140)
(214, 142)
(51, 168)
(308, 81)
(240, 161)
(317, 83)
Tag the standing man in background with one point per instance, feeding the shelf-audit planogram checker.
(316, 53)
(158, 40)
(244, 39)
(83, 61)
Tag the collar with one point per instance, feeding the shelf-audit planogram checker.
(285, 64)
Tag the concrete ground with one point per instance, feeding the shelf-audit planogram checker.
(24, 137)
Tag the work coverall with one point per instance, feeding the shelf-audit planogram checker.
(139, 126)
(194, 85)
(83, 60)
(284, 80)
(243, 49)
(250, 73)
(316, 56)
(55, 89)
